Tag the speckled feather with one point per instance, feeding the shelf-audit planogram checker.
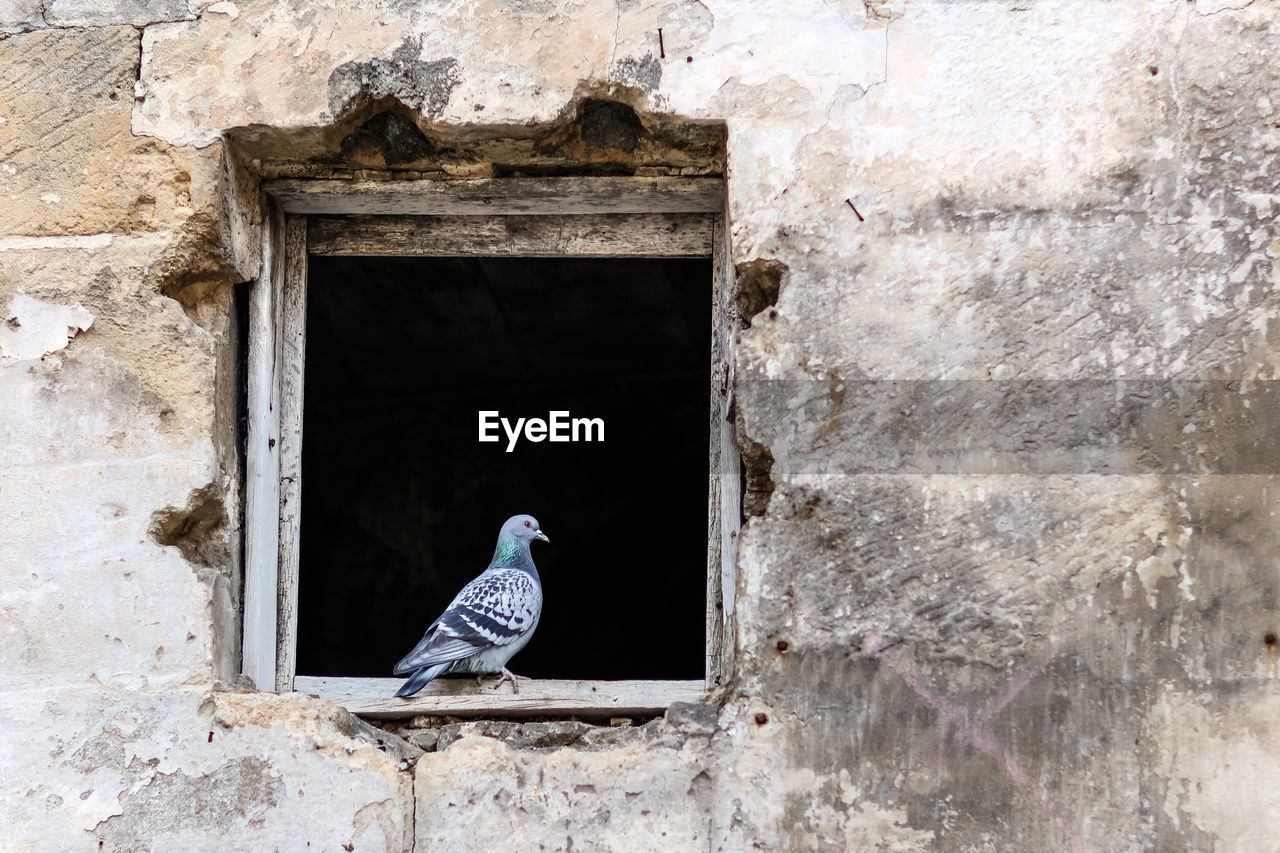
(498, 609)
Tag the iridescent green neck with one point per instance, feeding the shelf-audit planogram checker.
(509, 552)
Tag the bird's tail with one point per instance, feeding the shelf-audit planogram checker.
(421, 679)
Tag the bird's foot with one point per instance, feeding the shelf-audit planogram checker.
(508, 675)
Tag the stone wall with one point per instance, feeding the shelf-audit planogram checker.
(1009, 577)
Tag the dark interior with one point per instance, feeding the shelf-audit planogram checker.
(401, 504)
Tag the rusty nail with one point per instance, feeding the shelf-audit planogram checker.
(1270, 638)
(849, 202)
(783, 645)
(761, 718)
(210, 737)
(662, 51)
(271, 442)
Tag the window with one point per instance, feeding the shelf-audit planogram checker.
(389, 315)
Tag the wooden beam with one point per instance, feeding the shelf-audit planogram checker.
(499, 196)
(463, 697)
(723, 573)
(293, 348)
(674, 235)
(262, 489)
(725, 504)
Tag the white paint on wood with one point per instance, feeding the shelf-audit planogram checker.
(713, 626)
(729, 469)
(653, 235)
(375, 697)
(262, 495)
(724, 488)
(293, 351)
(620, 217)
(500, 196)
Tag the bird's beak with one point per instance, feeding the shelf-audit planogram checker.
(542, 536)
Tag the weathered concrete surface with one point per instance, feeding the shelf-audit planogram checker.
(179, 771)
(971, 615)
(652, 790)
(33, 329)
(118, 429)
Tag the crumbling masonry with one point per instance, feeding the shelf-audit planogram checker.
(1007, 332)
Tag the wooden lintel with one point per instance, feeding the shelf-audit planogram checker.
(655, 235)
(499, 196)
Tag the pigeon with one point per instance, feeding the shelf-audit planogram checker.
(489, 621)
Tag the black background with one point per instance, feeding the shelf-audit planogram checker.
(401, 504)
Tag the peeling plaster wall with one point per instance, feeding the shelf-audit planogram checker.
(1004, 387)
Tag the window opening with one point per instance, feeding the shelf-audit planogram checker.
(402, 502)
(387, 317)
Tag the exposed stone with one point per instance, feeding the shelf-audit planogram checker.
(190, 528)
(552, 734)
(757, 464)
(694, 718)
(424, 739)
(1007, 576)
(105, 13)
(759, 283)
(423, 85)
(643, 72)
(67, 96)
(498, 729)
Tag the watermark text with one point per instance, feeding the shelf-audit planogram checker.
(558, 426)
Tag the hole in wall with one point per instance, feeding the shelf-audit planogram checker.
(195, 528)
(610, 124)
(759, 284)
(402, 503)
(388, 139)
(757, 478)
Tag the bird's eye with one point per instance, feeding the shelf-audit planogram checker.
(526, 524)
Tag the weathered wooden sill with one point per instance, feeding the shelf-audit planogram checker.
(463, 697)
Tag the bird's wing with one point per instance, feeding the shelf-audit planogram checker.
(495, 609)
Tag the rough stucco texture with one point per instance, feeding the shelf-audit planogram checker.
(1011, 585)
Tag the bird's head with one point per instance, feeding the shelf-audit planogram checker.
(523, 528)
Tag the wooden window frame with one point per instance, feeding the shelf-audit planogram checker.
(525, 217)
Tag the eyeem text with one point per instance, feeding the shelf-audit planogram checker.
(558, 426)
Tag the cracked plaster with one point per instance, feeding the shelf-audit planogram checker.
(994, 654)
